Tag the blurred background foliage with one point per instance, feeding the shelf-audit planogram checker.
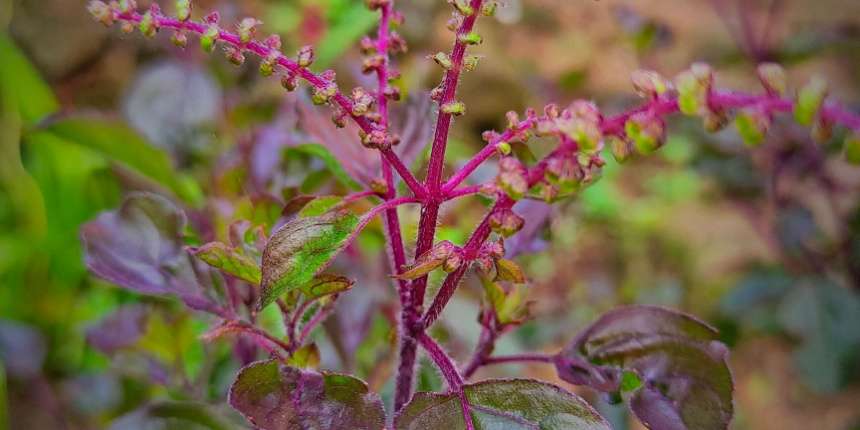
(764, 243)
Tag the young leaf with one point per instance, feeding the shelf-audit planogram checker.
(300, 250)
(685, 380)
(139, 247)
(229, 260)
(276, 397)
(306, 357)
(118, 330)
(508, 270)
(319, 206)
(33, 96)
(504, 405)
(326, 285)
(331, 163)
(429, 261)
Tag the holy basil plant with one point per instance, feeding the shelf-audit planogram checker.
(281, 250)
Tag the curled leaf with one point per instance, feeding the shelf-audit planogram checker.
(229, 260)
(508, 270)
(429, 261)
(683, 381)
(515, 404)
(276, 397)
(300, 250)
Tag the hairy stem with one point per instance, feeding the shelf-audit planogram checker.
(450, 372)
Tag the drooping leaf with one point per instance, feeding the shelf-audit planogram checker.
(117, 143)
(300, 250)
(502, 404)
(139, 246)
(230, 260)
(33, 96)
(331, 163)
(277, 397)
(121, 329)
(326, 285)
(319, 206)
(685, 380)
(171, 416)
(428, 261)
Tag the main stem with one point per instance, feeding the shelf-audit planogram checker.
(411, 314)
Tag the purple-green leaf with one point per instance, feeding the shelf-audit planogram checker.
(229, 260)
(139, 246)
(118, 330)
(277, 397)
(511, 404)
(685, 380)
(300, 250)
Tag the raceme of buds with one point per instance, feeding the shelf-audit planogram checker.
(752, 125)
(773, 79)
(810, 98)
(506, 222)
(646, 131)
(650, 84)
(512, 178)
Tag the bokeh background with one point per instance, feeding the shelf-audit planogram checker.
(763, 243)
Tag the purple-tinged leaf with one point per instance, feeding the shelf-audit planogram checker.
(119, 330)
(139, 246)
(171, 415)
(513, 404)
(300, 250)
(22, 349)
(528, 241)
(428, 261)
(685, 380)
(229, 260)
(277, 397)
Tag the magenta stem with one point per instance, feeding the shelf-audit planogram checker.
(449, 371)
(519, 358)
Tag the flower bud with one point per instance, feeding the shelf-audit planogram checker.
(209, 37)
(512, 178)
(379, 186)
(376, 4)
(289, 82)
(436, 93)
(622, 149)
(454, 23)
(489, 8)
(649, 84)
(715, 121)
(463, 7)
(391, 92)
(810, 98)
(822, 130)
(694, 87)
(470, 38)
(361, 101)
(852, 148)
(647, 132)
(267, 64)
(101, 12)
(454, 108)
(148, 25)
(247, 28)
(773, 79)
(180, 39)
(305, 56)
(376, 139)
(234, 55)
(506, 222)
(126, 6)
(494, 249)
(212, 18)
(470, 63)
(504, 148)
(752, 125)
(443, 60)
(581, 122)
(183, 10)
(452, 263)
(371, 63)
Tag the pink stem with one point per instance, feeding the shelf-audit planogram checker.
(465, 191)
(519, 358)
(450, 372)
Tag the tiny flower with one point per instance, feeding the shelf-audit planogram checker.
(212, 18)
(361, 101)
(470, 63)
(376, 4)
(436, 93)
(183, 10)
(810, 98)
(512, 178)
(773, 79)
(489, 8)
(289, 82)
(367, 45)
(234, 55)
(506, 223)
(470, 38)
(305, 56)
(126, 6)
(647, 132)
(322, 95)
(454, 108)
(452, 263)
(371, 63)
(443, 60)
(338, 117)
(180, 39)
(622, 149)
(462, 6)
(752, 125)
(209, 37)
(504, 148)
(101, 12)
(454, 23)
(694, 87)
(391, 92)
(247, 28)
(649, 84)
(379, 186)
(148, 25)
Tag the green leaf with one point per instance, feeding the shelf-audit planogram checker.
(276, 397)
(428, 261)
(34, 98)
(119, 143)
(684, 380)
(319, 206)
(172, 415)
(330, 161)
(352, 23)
(300, 250)
(510, 271)
(326, 285)
(306, 357)
(229, 260)
(504, 405)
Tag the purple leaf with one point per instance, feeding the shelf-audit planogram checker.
(118, 330)
(682, 380)
(139, 246)
(22, 349)
(512, 404)
(276, 397)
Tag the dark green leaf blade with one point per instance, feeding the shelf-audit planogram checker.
(331, 163)
(300, 250)
(502, 404)
(229, 260)
(33, 96)
(172, 415)
(276, 397)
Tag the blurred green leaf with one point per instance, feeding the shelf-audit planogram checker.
(172, 416)
(229, 260)
(34, 98)
(346, 27)
(119, 143)
(319, 206)
(330, 161)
